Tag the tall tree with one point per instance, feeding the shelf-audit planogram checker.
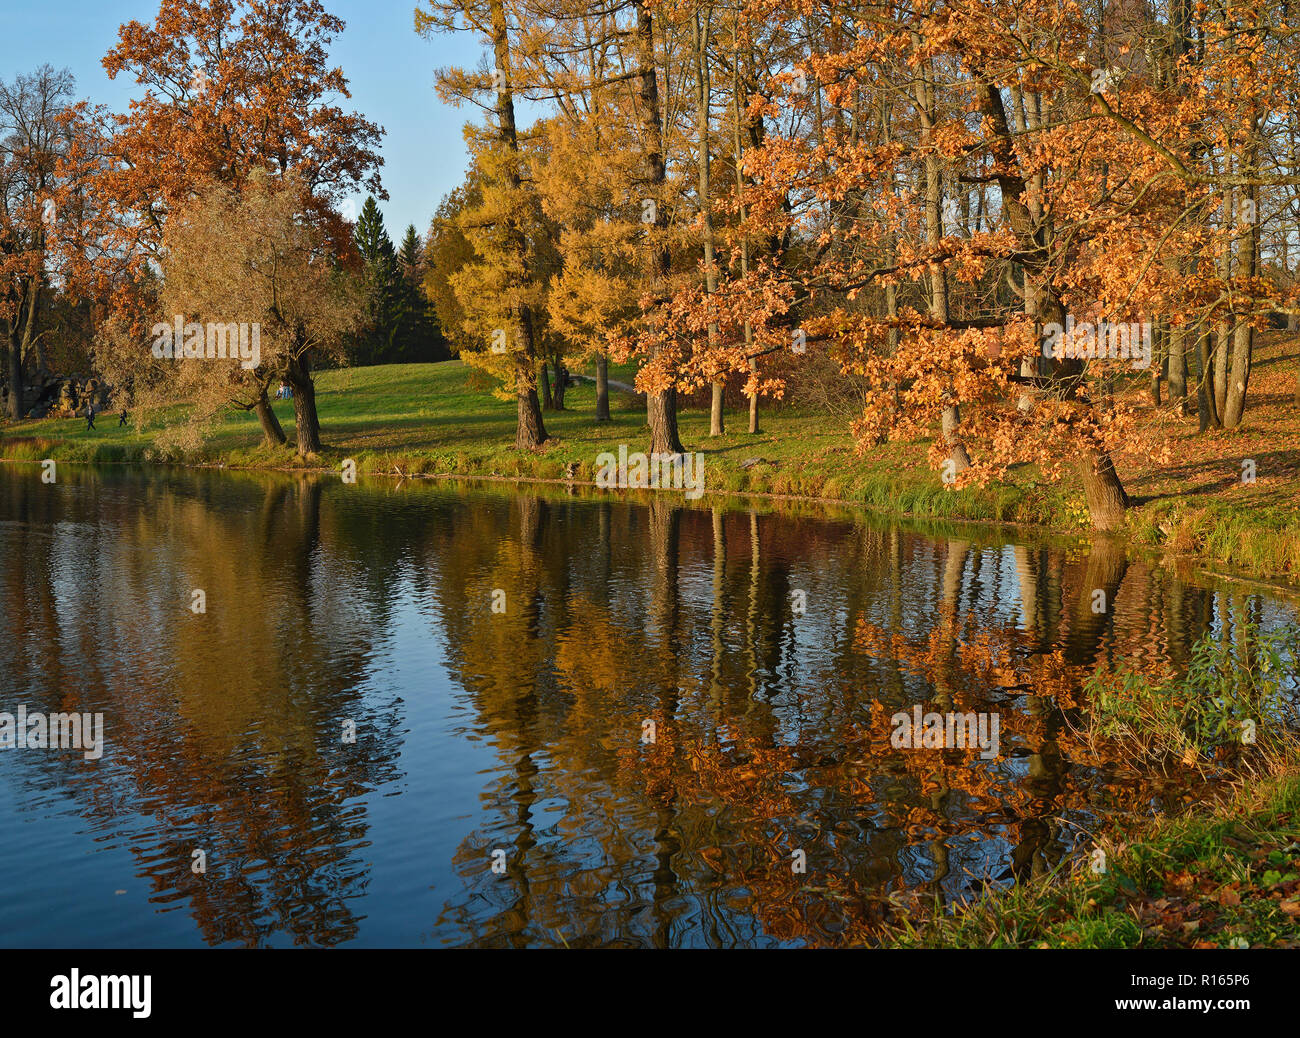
(411, 256)
(37, 129)
(499, 229)
(377, 342)
(249, 258)
(233, 87)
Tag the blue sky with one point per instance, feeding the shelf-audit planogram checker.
(389, 70)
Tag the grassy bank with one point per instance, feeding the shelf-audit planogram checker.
(1225, 872)
(1225, 875)
(441, 419)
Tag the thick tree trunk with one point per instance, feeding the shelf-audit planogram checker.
(1178, 367)
(20, 347)
(952, 439)
(1103, 490)
(304, 406)
(15, 401)
(530, 431)
(602, 388)
(1105, 493)
(272, 431)
(661, 412)
(1243, 349)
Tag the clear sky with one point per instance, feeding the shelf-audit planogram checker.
(389, 70)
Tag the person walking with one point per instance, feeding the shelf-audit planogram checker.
(90, 417)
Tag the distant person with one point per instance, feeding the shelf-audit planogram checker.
(90, 417)
(122, 421)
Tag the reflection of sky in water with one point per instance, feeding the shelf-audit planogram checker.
(478, 732)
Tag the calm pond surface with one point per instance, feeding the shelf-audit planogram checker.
(523, 731)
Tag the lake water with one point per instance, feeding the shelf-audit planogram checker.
(578, 720)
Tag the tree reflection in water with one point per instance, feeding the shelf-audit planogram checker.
(482, 731)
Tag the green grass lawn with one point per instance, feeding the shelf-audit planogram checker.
(443, 419)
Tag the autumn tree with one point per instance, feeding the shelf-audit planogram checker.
(930, 248)
(498, 291)
(247, 266)
(38, 128)
(231, 88)
(446, 251)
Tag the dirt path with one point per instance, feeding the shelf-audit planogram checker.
(621, 386)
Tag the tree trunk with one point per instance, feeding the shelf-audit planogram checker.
(1178, 367)
(661, 411)
(1243, 350)
(1243, 345)
(1027, 120)
(952, 439)
(753, 397)
(717, 420)
(272, 432)
(561, 383)
(1222, 347)
(1103, 490)
(1157, 362)
(1029, 366)
(661, 407)
(304, 406)
(703, 95)
(1205, 411)
(951, 417)
(548, 401)
(737, 104)
(1105, 493)
(15, 402)
(20, 346)
(602, 388)
(529, 430)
